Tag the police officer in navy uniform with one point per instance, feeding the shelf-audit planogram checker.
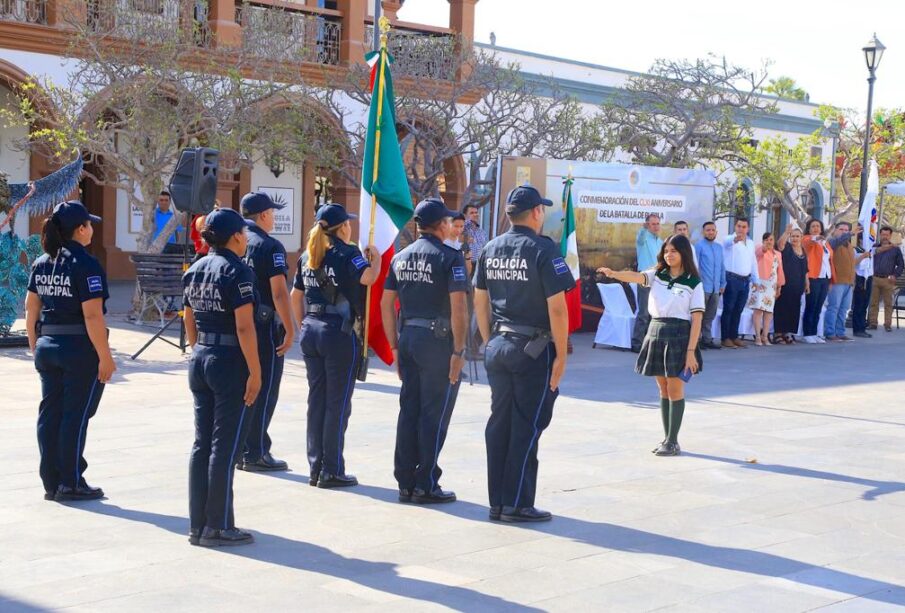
(267, 258)
(224, 375)
(520, 286)
(64, 317)
(327, 296)
(430, 280)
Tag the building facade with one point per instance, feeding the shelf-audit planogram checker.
(34, 33)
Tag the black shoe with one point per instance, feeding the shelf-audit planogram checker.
(495, 513)
(657, 448)
(667, 449)
(524, 515)
(437, 496)
(266, 463)
(81, 492)
(863, 335)
(312, 479)
(405, 494)
(326, 481)
(195, 536)
(49, 495)
(225, 538)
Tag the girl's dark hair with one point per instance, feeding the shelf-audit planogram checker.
(683, 246)
(766, 236)
(52, 236)
(212, 238)
(812, 220)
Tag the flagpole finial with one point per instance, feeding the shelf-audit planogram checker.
(384, 25)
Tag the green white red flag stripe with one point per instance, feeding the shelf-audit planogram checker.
(393, 198)
(569, 249)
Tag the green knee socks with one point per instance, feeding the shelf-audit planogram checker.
(664, 415)
(676, 411)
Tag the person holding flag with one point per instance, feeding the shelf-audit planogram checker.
(386, 201)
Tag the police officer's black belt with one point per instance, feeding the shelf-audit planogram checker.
(214, 339)
(316, 310)
(62, 329)
(527, 331)
(421, 322)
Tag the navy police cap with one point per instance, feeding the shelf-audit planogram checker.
(225, 222)
(333, 214)
(254, 203)
(432, 210)
(70, 215)
(525, 198)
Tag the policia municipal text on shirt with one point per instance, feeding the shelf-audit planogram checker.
(327, 297)
(520, 304)
(64, 318)
(430, 280)
(276, 330)
(224, 375)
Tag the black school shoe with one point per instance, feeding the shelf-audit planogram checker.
(266, 463)
(405, 494)
(80, 492)
(230, 537)
(327, 481)
(668, 449)
(48, 495)
(495, 513)
(195, 536)
(524, 515)
(437, 496)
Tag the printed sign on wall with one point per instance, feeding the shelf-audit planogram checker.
(284, 220)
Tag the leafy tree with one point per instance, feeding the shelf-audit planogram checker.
(146, 84)
(490, 110)
(786, 87)
(686, 114)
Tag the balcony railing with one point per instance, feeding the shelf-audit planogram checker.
(419, 54)
(289, 35)
(25, 11)
(152, 21)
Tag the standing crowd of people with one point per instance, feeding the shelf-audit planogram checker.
(832, 271)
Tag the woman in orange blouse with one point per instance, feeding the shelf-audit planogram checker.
(820, 275)
(767, 288)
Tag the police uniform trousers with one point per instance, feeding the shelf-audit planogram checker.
(217, 378)
(270, 336)
(70, 394)
(331, 360)
(521, 407)
(426, 404)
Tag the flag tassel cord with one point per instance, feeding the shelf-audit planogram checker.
(384, 27)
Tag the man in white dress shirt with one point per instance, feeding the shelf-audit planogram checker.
(741, 271)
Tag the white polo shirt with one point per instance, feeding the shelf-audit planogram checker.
(679, 297)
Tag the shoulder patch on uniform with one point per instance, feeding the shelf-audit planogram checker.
(279, 260)
(246, 289)
(559, 266)
(95, 284)
(458, 273)
(359, 262)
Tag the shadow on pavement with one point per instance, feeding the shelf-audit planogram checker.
(879, 488)
(11, 605)
(620, 538)
(379, 576)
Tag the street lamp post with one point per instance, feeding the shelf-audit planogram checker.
(873, 52)
(831, 129)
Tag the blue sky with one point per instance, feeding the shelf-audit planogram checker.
(818, 43)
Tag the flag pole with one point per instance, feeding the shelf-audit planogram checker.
(379, 85)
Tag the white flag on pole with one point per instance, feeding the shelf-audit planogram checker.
(868, 216)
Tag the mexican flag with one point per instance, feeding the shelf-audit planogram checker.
(384, 183)
(568, 245)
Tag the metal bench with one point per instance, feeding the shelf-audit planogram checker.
(159, 278)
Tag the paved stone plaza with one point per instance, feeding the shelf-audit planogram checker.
(790, 496)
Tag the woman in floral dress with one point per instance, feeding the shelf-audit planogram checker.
(766, 289)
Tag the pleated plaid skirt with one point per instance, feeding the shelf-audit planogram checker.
(663, 350)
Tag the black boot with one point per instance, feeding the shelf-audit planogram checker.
(225, 538)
